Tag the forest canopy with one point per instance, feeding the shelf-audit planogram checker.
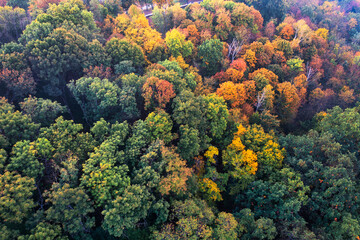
(170, 120)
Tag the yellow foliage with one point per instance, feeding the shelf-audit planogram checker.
(209, 154)
(322, 32)
(250, 58)
(211, 189)
(241, 131)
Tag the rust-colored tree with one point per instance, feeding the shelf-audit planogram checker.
(157, 93)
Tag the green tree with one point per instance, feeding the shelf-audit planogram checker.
(159, 126)
(71, 15)
(70, 207)
(279, 198)
(15, 126)
(97, 97)
(105, 174)
(16, 197)
(216, 114)
(43, 111)
(126, 210)
(45, 230)
(210, 55)
(262, 228)
(123, 50)
(28, 158)
(65, 135)
(57, 58)
(189, 142)
(342, 124)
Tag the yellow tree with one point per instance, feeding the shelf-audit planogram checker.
(240, 163)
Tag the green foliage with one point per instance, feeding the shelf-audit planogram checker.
(159, 126)
(210, 55)
(177, 45)
(28, 157)
(70, 208)
(279, 198)
(43, 111)
(295, 65)
(262, 228)
(46, 231)
(105, 174)
(122, 50)
(342, 124)
(16, 192)
(126, 210)
(189, 141)
(65, 135)
(97, 97)
(216, 115)
(15, 126)
(57, 58)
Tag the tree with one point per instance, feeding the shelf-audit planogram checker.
(223, 26)
(157, 93)
(70, 14)
(17, 3)
(235, 94)
(43, 111)
(262, 228)
(174, 180)
(177, 45)
(250, 58)
(279, 198)
(268, 151)
(287, 32)
(12, 22)
(105, 174)
(45, 230)
(241, 163)
(15, 126)
(15, 84)
(126, 210)
(189, 110)
(262, 77)
(16, 197)
(210, 55)
(246, 16)
(194, 220)
(210, 189)
(226, 226)
(122, 50)
(70, 208)
(65, 135)
(97, 98)
(328, 169)
(295, 65)
(28, 158)
(342, 125)
(159, 126)
(189, 142)
(57, 58)
(274, 9)
(288, 102)
(216, 114)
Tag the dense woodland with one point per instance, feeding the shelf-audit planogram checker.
(218, 120)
